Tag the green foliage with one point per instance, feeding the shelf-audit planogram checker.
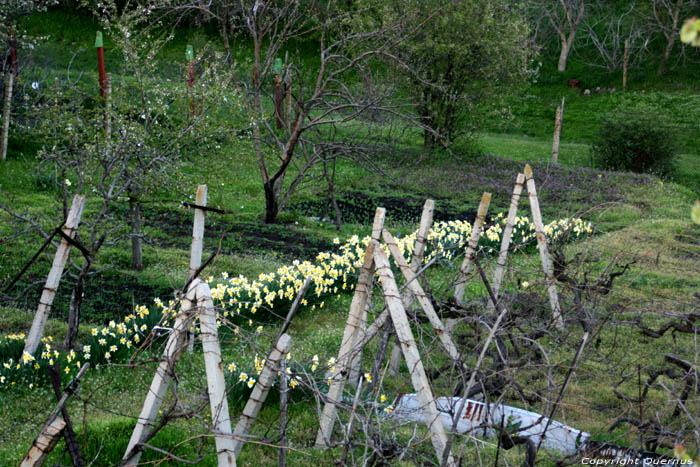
(636, 139)
(464, 54)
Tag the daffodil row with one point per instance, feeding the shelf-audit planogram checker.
(331, 273)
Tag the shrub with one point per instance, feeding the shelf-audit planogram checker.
(636, 139)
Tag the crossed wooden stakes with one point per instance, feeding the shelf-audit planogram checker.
(197, 301)
(357, 334)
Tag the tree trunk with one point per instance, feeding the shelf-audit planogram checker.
(670, 38)
(136, 238)
(271, 203)
(563, 55)
(9, 82)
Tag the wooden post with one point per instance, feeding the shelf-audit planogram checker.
(282, 457)
(410, 352)
(288, 92)
(558, 120)
(625, 63)
(471, 247)
(350, 336)
(51, 431)
(44, 444)
(197, 240)
(415, 287)
(108, 106)
(59, 262)
(260, 391)
(101, 64)
(189, 56)
(278, 92)
(356, 364)
(505, 240)
(161, 380)
(426, 222)
(6, 114)
(216, 382)
(544, 251)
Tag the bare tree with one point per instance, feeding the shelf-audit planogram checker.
(613, 36)
(663, 17)
(344, 87)
(565, 16)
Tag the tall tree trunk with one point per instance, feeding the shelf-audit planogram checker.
(136, 238)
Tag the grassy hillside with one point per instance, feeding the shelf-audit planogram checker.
(637, 219)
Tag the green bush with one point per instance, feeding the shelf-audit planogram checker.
(636, 139)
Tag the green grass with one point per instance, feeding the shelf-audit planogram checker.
(645, 220)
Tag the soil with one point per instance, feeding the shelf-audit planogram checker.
(358, 208)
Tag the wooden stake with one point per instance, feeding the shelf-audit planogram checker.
(51, 431)
(189, 56)
(216, 382)
(196, 249)
(445, 339)
(426, 222)
(351, 335)
(505, 240)
(410, 352)
(260, 391)
(108, 106)
(6, 114)
(59, 262)
(355, 366)
(625, 62)
(289, 93)
(101, 64)
(68, 433)
(278, 92)
(471, 247)
(544, 251)
(44, 444)
(282, 457)
(558, 120)
(161, 380)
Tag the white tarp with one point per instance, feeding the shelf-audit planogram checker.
(559, 437)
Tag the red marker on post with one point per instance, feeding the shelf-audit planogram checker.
(189, 56)
(101, 64)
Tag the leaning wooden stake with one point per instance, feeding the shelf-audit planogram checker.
(558, 120)
(351, 335)
(356, 363)
(408, 345)
(461, 285)
(415, 287)
(260, 391)
(44, 444)
(544, 251)
(54, 277)
(505, 241)
(161, 380)
(9, 83)
(216, 382)
(196, 249)
(426, 222)
(52, 429)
